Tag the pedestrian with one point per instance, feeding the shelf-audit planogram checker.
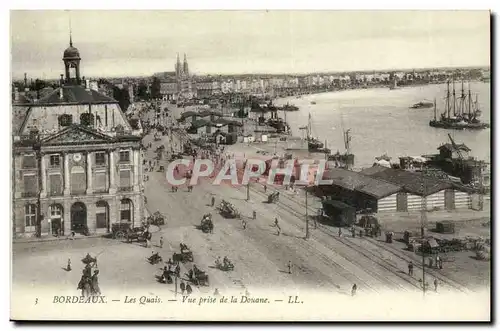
(161, 242)
(265, 188)
(353, 233)
(340, 232)
(354, 289)
(216, 292)
(435, 285)
(254, 214)
(213, 201)
(190, 188)
(183, 287)
(68, 268)
(410, 268)
(277, 226)
(439, 263)
(244, 224)
(289, 267)
(360, 233)
(189, 290)
(431, 260)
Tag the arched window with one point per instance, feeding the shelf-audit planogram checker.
(126, 210)
(30, 217)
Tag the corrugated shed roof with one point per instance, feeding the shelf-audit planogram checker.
(75, 94)
(356, 181)
(373, 170)
(412, 182)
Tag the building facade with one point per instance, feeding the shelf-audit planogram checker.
(76, 161)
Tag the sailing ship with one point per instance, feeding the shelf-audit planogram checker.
(345, 160)
(313, 143)
(465, 115)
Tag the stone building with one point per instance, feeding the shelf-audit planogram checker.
(76, 161)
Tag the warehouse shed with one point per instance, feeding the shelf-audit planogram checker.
(439, 194)
(361, 191)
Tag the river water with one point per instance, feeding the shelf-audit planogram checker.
(381, 121)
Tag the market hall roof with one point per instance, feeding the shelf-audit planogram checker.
(74, 94)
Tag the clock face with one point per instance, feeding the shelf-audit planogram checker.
(77, 157)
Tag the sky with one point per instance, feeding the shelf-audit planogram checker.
(136, 43)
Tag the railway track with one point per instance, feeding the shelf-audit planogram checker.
(363, 251)
(370, 256)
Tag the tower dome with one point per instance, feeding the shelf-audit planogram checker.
(71, 60)
(71, 52)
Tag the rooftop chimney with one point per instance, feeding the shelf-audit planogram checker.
(87, 84)
(25, 80)
(61, 93)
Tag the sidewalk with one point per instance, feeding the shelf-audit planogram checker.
(52, 238)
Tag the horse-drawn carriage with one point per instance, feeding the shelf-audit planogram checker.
(207, 225)
(198, 277)
(225, 266)
(156, 218)
(139, 234)
(120, 230)
(155, 258)
(227, 210)
(184, 256)
(273, 197)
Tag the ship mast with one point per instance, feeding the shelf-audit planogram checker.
(454, 100)
(462, 101)
(435, 110)
(470, 104)
(448, 98)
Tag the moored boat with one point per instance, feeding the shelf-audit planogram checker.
(465, 115)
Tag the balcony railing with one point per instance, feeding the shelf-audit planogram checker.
(28, 194)
(55, 194)
(125, 189)
(78, 192)
(101, 190)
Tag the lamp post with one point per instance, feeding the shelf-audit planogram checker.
(38, 153)
(307, 217)
(423, 221)
(176, 285)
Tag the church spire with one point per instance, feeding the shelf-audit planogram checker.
(185, 67)
(70, 32)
